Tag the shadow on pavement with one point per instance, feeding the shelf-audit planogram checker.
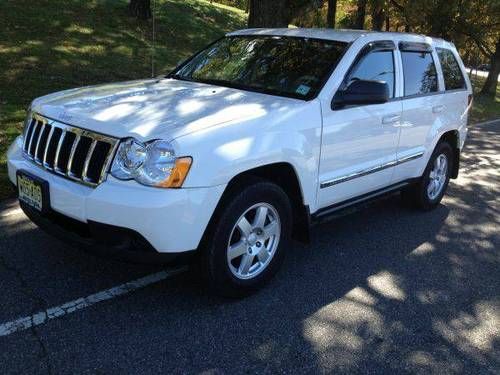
(383, 290)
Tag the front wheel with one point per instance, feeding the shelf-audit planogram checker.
(249, 239)
(429, 190)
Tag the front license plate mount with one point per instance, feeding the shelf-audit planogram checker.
(33, 191)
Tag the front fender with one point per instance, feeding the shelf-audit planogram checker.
(222, 152)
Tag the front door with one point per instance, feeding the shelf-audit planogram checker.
(359, 143)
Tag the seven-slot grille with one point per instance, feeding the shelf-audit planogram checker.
(75, 153)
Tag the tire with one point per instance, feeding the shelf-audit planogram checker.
(229, 275)
(420, 195)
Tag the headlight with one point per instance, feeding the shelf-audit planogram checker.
(152, 164)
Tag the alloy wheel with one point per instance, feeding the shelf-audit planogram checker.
(253, 241)
(437, 176)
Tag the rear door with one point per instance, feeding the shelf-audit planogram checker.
(359, 143)
(422, 107)
(455, 99)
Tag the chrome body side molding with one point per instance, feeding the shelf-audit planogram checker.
(368, 171)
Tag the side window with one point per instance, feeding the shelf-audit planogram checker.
(452, 74)
(376, 66)
(419, 71)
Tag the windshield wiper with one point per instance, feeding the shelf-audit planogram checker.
(230, 84)
(238, 86)
(180, 78)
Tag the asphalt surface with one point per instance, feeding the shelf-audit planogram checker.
(383, 290)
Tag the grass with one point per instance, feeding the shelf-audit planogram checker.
(484, 108)
(59, 44)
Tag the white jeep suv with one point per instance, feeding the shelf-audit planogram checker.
(244, 145)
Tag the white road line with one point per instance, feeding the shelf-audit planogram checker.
(42, 317)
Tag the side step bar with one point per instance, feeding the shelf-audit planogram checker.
(345, 207)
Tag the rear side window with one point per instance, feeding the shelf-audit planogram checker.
(453, 77)
(419, 71)
(377, 66)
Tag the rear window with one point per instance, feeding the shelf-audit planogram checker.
(420, 75)
(452, 74)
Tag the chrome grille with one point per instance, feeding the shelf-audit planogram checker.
(75, 153)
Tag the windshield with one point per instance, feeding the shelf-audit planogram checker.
(286, 66)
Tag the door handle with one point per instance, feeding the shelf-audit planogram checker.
(390, 119)
(437, 108)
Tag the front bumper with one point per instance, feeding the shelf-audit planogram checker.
(170, 220)
(103, 239)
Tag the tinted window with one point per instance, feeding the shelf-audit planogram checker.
(287, 66)
(453, 78)
(378, 66)
(419, 73)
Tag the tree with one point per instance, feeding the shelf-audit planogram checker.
(359, 16)
(490, 85)
(140, 9)
(378, 14)
(400, 11)
(265, 13)
(278, 13)
(478, 23)
(332, 10)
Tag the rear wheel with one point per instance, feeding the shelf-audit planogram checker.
(249, 239)
(429, 190)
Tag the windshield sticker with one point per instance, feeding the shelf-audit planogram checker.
(303, 89)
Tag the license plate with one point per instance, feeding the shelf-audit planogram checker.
(33, 191)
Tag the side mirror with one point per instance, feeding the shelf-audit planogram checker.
(362, 92)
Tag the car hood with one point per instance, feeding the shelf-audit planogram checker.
(149, 109)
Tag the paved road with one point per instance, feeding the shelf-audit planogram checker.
(385, 289)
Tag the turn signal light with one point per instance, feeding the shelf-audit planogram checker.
(178, 174)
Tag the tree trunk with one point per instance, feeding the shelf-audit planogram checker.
(332, 10)
(378, 15)
(140, 9)
(403, 13)
(268, 13)
(359, 18)
(387, 23)
(490, 86)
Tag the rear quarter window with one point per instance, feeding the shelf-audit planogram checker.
(419, 71)
(452, 74)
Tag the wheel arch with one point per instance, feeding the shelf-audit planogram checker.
(285, 176)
